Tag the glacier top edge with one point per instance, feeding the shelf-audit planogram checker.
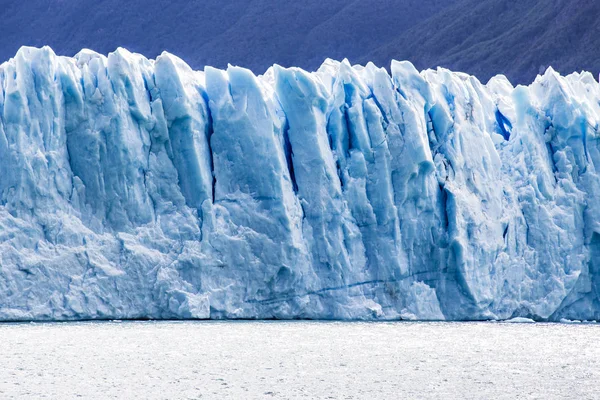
(84, 55)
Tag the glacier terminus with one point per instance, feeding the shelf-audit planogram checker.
(133, 188)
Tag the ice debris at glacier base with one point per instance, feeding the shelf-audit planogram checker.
(133, 188)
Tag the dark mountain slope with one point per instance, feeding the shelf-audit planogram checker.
(517, 38)
(252, 33)
(482, 37)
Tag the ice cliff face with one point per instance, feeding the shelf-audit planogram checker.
(132, 188)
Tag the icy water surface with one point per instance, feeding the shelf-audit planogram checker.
(288, 360)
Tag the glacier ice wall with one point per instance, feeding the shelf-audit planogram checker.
(134, 188)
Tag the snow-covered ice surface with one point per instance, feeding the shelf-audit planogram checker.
(299, 360)
(136, 188)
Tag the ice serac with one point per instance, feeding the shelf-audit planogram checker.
(136, 188)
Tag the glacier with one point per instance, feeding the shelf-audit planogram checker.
(142, 189)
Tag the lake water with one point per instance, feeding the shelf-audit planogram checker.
(289, 360)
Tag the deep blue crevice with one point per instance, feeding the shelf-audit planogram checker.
(349, 91)
(348, 129)
(209, 132)
(504, 125)
(289, 155)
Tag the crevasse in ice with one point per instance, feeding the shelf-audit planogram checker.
(136, 188)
